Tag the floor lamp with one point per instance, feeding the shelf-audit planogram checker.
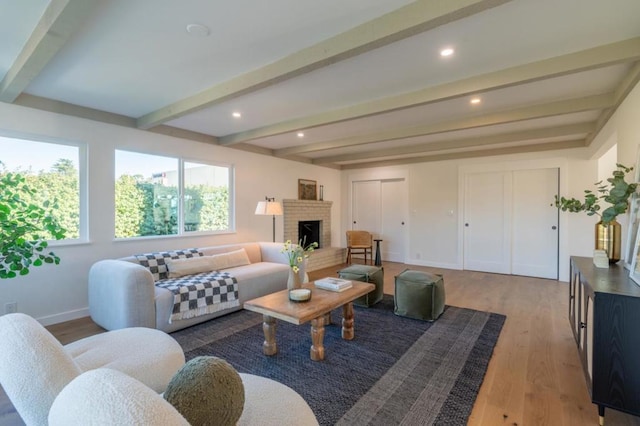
(270, 207)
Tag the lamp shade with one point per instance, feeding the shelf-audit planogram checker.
(269, 208)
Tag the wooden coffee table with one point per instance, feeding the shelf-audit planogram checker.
(278, 306)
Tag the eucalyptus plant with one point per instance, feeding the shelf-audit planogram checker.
(22, 224)
(616, 191)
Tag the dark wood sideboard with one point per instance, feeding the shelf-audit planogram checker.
(604, 311)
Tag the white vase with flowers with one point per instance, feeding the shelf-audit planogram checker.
(297, 255)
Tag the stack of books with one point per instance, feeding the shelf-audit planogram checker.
(333, 284)
(600, 259)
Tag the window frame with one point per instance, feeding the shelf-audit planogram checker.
(83, 181)
(181, 195)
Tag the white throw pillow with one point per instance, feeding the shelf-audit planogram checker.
(192, 265)
(230, 259)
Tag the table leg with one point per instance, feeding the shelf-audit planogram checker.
(327, 318)
(347, 321)
(317, 337)
(269, 328)
(378, 261)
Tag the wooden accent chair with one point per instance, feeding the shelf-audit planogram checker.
(359, 242)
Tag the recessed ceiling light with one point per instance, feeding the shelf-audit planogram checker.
(197, 30)
(300, 134)
(446, 52)
(236, 114)
(474, 101)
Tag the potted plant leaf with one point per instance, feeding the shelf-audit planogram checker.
(616, 192)
(24, 227)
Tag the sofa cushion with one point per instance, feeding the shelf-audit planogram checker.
(258, 279)
(231, 259)
(189, 266)
(156, 262)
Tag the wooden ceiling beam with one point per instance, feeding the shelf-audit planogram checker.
(588, 103)
(59, 21)
(502, 138)
(626, 85)
(412, 19)
(577, 143)
(598, 57)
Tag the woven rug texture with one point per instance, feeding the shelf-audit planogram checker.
(395, 371)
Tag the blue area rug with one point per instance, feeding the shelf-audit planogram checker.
(396, 370)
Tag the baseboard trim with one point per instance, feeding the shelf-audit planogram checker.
(63, 316)
(434, 264)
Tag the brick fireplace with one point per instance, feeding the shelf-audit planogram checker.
(296, 211)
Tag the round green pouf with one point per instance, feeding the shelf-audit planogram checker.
(207, 391)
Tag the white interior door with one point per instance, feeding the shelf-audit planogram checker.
(366, 209)
(486, 228)
(535, 223)
(394, 208)
(366, 206)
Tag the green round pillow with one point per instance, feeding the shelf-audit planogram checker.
(207, 390)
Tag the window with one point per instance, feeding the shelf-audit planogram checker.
(158, 195)
(206, 197)
(53, 170)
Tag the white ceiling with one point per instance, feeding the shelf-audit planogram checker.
(363, 79)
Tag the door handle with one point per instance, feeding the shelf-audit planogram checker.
(554, 227)
(466, 224)
(402, 222)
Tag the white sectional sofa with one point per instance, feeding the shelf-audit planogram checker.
(123, 292)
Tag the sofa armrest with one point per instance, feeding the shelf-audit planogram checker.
(272, 252)
(121, 294)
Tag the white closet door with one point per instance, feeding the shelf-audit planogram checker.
(486, 231)
(381, 207)
(366, 206)
(394, 208)
(535, 223)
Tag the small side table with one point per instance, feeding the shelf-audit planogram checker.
(378, 261)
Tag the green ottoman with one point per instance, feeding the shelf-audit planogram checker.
(367, 274)
(419, 295)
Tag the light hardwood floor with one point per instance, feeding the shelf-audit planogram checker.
(534, 377)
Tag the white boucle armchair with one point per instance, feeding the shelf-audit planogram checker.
(35, 367)
(107, 397)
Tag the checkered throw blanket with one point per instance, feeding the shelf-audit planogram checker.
(194, 295)
(155, 262)
(201, 294)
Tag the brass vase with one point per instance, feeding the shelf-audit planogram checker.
(608, 238)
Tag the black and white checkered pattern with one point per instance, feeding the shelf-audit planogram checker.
(155, 262)
(199, 294)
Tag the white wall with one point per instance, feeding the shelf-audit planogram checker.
(434, 232)
(434, 191)
(622, 129)
(607, 163)
(54, 294)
